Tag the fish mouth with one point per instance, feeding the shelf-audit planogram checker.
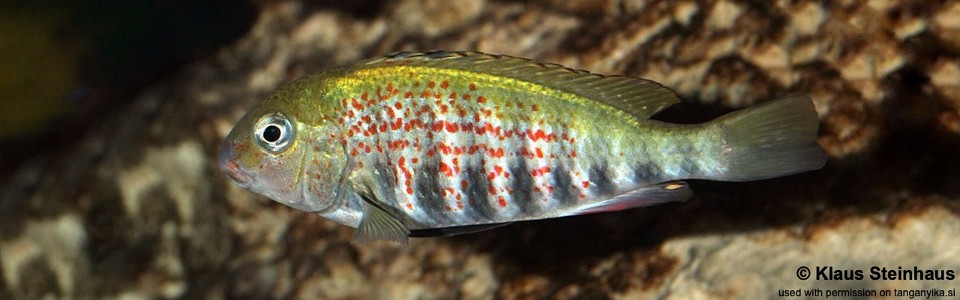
(229, 165)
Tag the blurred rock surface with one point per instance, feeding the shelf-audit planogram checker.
(137, 208)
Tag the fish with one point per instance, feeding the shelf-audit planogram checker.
(424, 144)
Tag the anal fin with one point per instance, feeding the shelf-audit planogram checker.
(640, 197)
(448, 231)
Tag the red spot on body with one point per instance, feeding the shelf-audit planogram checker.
(410, 191)
(356, 105)
(410, 205)
(487, 128)
(468, 127)
(539, 152)
(535, 135)
(534, 107)
(573, 154)
(586, 183)
(390, 112)
(503, 202)
(444, 84)
(445, 169)
(464, 184)
(444, 148)
(430, 84)
(473, 86)
(408, 95)
(415, 160)
(542, 171)
(498, 153)
(451, 127)
(481, 99)
(492, 190)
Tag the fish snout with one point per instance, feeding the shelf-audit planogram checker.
(228, 163)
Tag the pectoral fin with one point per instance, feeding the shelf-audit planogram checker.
(643, 196)
(376, 224)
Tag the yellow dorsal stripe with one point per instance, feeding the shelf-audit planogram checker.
(639, 97)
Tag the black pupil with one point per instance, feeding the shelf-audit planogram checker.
(271, 133)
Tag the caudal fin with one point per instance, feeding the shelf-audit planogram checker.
(773, 139)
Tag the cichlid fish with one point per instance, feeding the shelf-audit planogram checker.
(441, 143)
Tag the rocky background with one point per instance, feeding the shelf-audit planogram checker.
(136, 207)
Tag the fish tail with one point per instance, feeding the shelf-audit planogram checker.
(773, 139)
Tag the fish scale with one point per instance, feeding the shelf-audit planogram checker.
(459, 126)
(440, 143)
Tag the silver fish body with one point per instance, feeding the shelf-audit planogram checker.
(448, 142)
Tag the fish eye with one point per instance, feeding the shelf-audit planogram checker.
(274, 132)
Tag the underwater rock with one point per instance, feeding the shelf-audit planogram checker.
(137, 207)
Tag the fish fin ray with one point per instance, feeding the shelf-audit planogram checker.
(772, 139)
(376, 225)
(449, 231)
(672, 191)
(639, 97)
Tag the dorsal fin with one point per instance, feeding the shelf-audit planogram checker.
(639, 97)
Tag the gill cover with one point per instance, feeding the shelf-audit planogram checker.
(325, 171)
